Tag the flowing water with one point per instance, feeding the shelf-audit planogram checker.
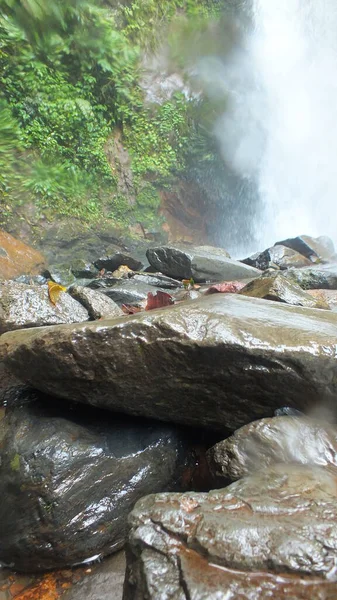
(281, 127)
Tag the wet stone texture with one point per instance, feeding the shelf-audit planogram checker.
(70, 476)
(271, 535)
(321, 248)
(277, 256)
(96, 303)
(315, 278)
(279, 289)
(263, 443)
(23, 306)
(16, 258)
(202, 263)
(218, 362)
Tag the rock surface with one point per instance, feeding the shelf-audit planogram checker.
(320, 248)
(328, 296)
(202, 263)
(96, 303)
(279, 289)
(23, 306)
(271, 535)
(16, 258)
(277, 256)
(218, 362)
(261, 444)
(320, 277)
(70, 476)
(113, 261)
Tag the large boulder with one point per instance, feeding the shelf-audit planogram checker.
(316, 249)
(277, 256)
(201, 263)
(69, 478)
(278, 288)
(24, 306)
(263, 443)
(16, 258)
(218, 362)
(271, 535)
(117, 259)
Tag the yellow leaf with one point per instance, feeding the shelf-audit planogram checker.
(54, 290)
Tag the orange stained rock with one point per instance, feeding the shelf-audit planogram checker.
(45, 589)
(16, 258)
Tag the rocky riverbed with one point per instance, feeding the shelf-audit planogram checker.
(182, 405)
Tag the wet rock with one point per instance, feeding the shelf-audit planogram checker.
(320, 277)
(61, 274)
(105, 583)
(73, 475)
(16, 258)
(31, 279)
(100, 283)
(130, 291)
(316, 249)
(270, 535)
(220, 362)
(23, 306)
(113, 261)
(157, 280)
(278, 256)
(83, 269)
(97, 304)
(201, 263)
(278, 288)
(270, 441)
(328, 296)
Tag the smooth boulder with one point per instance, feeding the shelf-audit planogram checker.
(97, 304)
(316, 249)
(218, 362)
(70, 476)
(271, 535)
(201, 263)
(278, 288)
(116, 260)
(278, 257)
(263, 443)
(23, 306)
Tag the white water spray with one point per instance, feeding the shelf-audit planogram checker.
(281, 126)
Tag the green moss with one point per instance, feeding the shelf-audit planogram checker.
(15, 462)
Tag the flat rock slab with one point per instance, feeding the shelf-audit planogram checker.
(23, 306)
(70, 476)
(271, 535)
(263, 443)
(218, 362)
(201, 263)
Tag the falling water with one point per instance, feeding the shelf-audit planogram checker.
(281, 128)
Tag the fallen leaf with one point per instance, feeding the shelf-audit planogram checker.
(54, 291)
(227, 287)
(159, 300)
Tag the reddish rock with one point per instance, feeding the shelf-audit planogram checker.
(16, 258)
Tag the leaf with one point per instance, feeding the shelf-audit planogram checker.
(54, 291)
(227, 287)
(159, 300)
(130, 310)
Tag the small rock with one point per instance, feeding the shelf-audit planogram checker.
(278, 288)
(97, 304)
(23, 306)
(61, 274)
(264, 443)
(113, 261)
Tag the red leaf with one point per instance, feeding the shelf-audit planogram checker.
(130, 310)
(227, 287)
(159, 300)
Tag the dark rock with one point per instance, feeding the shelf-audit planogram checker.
(271, 535)
(97, 304)
(279, 289)
(270, 441)
(101, 283)
(23, 306)
(321, 277)
(278, 256)
(70, 476)
(201, 263)
(320, 248)
(157, 280)
(61, 274)
(130, 291)
(112, 262)
(104, 583)
(218, 362)
(83, 269)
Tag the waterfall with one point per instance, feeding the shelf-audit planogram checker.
(280, 130)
